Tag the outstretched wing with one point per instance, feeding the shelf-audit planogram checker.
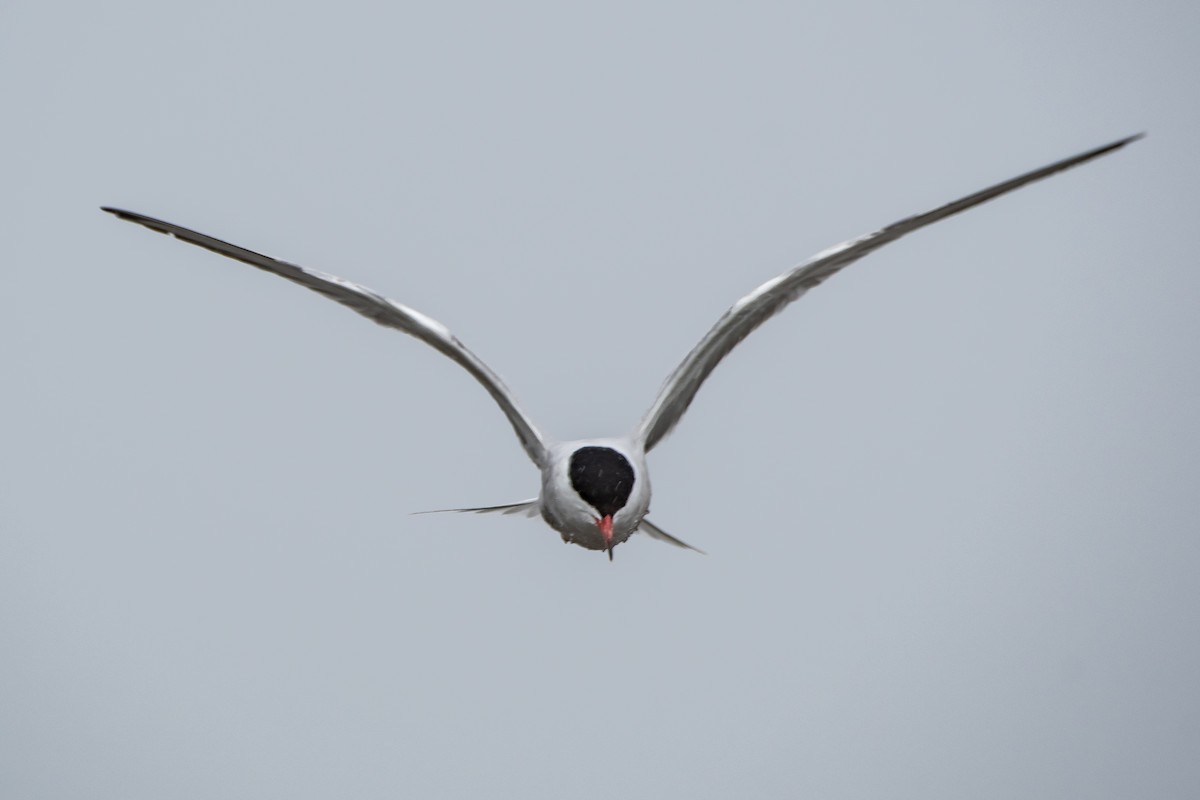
(375, 307)
(773, 296)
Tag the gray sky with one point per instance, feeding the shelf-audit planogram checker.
(948, 498)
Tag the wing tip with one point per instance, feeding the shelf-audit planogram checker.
(140, 219)
(1117, 145)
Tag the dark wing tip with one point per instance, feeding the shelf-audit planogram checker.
(1108, 148)
(141, 219)
(1117, 145)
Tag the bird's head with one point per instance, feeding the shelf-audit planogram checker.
(604, 479)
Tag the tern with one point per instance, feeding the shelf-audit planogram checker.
(596, 492)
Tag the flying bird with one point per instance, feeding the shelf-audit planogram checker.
(596, 492)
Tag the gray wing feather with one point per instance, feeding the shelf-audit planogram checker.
(774, 295)
(374, 307)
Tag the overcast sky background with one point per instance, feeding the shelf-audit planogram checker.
(949, 498)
